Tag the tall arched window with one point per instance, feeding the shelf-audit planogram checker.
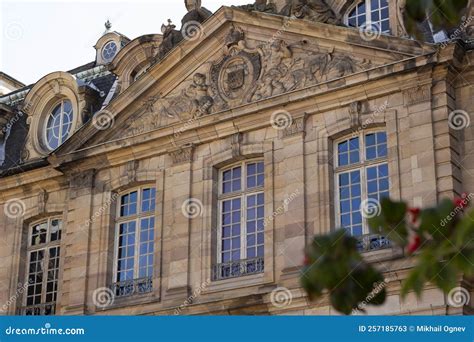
(362, 180)
(135, 236)
(44, 238)
(371, 15)
(58, 124)
(240, 249)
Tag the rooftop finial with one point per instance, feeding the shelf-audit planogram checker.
(192, 5)
(108, 26)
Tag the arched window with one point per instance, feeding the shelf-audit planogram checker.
(135, 237)
(58, 124)
(371, 15)
(361, 179)
(44, 238)
(240, 249)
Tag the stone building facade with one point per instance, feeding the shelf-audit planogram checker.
(184, 172)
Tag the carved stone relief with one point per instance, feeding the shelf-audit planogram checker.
(193, 101)
(248, 71)
(260, 6)
(233, 77)
(314, 10)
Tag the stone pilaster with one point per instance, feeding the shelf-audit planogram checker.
(180, 209)
(76, 242)
(417, 100)
(290, 205)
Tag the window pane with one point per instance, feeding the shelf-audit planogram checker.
(43, 268)
(148, 200)
(232, 180)
(348, 152)
(126, 251)
(56, 226)
(376, 145)
(39, 234)
(147, 226)
(255, 213)
(255, 176)
(35, 277)
(350, 200)
(377, 182)
(128, 204)
(230, 227)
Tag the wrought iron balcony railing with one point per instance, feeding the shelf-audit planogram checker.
(373, 242)
(131, 287)
(47, 309)
(238, 268)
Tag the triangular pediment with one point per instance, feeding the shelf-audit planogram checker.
(241, 58)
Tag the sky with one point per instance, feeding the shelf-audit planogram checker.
(39, 37)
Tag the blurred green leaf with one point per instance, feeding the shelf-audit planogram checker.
(335, 265)
(443, 15)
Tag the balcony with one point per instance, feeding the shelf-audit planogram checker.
(132, 287)
(238, 268)
(372, 242)
(47, 309)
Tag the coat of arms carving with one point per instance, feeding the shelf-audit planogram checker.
(233, 77)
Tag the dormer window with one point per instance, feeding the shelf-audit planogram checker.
(370, 15)
(109, 51)
(58, 125)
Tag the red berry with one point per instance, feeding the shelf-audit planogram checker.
(414, 244)
(460, 202)
(415, 213)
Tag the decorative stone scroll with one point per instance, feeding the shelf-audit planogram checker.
(355, 109)
(131, 169)
(42, 201)
(182, 155)
(296, 127)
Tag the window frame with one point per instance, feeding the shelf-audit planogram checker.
(61, 139)
(368, 15)
(46, 246)
(137, 219)
(243, 194)
(362, 167)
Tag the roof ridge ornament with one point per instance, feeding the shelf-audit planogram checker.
(108, 26)
(192, 5)
(196, 13)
